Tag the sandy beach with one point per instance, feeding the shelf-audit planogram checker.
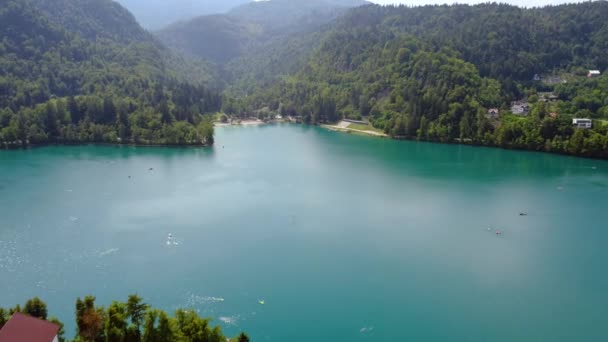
(343, 126)
(241, 123)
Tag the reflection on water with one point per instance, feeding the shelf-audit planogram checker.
(361, 238)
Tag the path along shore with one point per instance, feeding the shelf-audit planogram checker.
(343, 126)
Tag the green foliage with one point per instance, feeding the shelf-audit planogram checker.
(61, 332)
(504, 42)
(65, 81)
(243, 338)
(3, 317)
(132, 321)
(35, 308)
(432, 73)
(90, 320)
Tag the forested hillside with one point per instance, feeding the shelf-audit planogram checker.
(433, 72)
(504, 42)
(93, 19)
(78, 71)
(248, 28)
(84, 70)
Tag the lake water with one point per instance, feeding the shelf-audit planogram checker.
(345, 238)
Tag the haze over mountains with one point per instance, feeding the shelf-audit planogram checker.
(156, 14)
(223, 37)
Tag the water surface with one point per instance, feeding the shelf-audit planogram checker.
(345, 238)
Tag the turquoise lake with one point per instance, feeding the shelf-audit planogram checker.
(345, 238)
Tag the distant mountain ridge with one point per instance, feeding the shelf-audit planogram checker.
(156, 14)
(221, 38)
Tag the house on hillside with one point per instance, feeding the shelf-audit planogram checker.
(579, 123)
(23, 328)
(593, 73)
(520, 107)
(548, 97)
(493, 113)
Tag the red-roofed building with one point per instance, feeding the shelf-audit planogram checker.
(23, 328)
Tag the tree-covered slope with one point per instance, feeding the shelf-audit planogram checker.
(292, 15)
(433, 72)
(93, 19)
(503, 41)
(58, 85)
(217, 38)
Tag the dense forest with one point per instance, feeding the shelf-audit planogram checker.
(85, 71)
(61, 82)
(131, 321)
(432, 73)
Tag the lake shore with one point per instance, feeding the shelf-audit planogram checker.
(240, 123)
(17, 146)
(344, 126)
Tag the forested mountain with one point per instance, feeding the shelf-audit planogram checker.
(93, 19)
(433, 72)
(503, 41)
(221, 38)
(292, 15)
(63, 82)
(156, 14)
(84, 70)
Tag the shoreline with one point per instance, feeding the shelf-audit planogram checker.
(84, 143)
(333, 128)
(240, 123)
(343, 126)
(341, 129)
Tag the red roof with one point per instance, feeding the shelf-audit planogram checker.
(23, 328)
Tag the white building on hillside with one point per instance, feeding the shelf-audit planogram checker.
(582, 123)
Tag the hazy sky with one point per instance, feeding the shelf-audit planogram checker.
(527, 3)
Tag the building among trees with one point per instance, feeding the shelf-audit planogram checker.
(24, 328)
(582, 123)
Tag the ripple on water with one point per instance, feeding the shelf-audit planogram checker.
(366, 330)
(10, 258)
(229, 320)
(196, 300)
(108, 252)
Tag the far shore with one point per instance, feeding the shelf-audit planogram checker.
(240, 123)
(343, 126)
(251, 122)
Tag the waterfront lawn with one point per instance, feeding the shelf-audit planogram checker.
(364, 128)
